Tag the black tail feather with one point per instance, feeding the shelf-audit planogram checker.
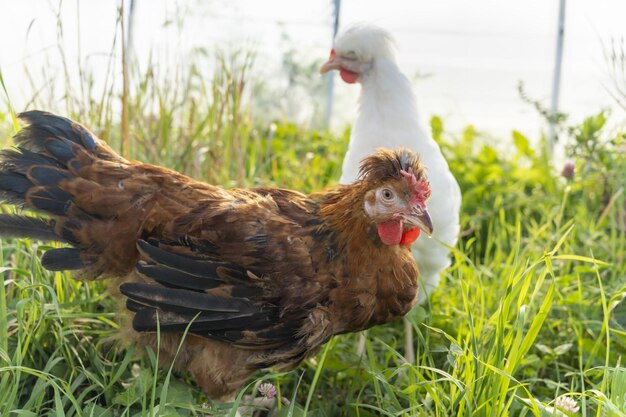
(47, 175)
(42, 125)
(45, 146)
(62, 150)
(21, 159)
(33, 175)
(13, 225)
(50, 200)
(64, 259)
(14, 184)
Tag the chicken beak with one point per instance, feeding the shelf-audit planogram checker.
(420, 218)
(333, 63)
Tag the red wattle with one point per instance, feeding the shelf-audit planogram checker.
(410, 236)
(390, 232)
(349, 77)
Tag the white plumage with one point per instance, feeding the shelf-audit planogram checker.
(387, 117)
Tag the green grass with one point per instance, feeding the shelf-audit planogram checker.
(530, 310)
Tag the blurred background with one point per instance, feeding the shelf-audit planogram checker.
(467, 59)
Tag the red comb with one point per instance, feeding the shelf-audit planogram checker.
(421, 189)
(409, 176)
(332, 53)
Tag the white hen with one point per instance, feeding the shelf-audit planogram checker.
(387, 117)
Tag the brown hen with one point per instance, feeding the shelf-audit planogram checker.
(259, 277)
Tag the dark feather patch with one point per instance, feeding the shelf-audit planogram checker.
(134, 306)
(188, 264)
(246, 292)
(183, 301)
(146, 320)
(49, 199)
(62, 150)
(177, 278)
(270, 336)
(45, 175)
(67, 228)
(21, 159)
(63, 259)
(13, 225)
(14, 184)
(60, 127)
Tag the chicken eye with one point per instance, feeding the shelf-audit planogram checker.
(349, 56)
(387, 194)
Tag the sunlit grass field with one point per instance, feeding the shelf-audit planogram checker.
(530, 313)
